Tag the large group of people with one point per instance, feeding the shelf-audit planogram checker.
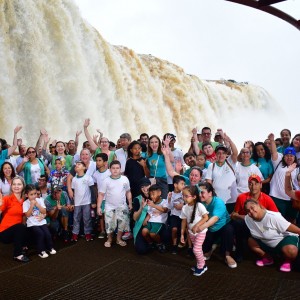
(214, 196)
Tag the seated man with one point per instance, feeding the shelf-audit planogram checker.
(58, 207)
(271, 234)
(238, 215)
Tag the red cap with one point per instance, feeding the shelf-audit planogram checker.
(254, 176)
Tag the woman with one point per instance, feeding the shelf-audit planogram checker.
(296, 144)
(262, 159)
(277, 237)
(103, 141)
(244, 169)
(60, 151)
(218, 225)
(281, 162)
(156, 163)
(11, 228)
(32, 166)
(7, 173)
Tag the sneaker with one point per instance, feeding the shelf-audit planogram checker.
(22, 258)
(43, 254)
(285, 267)
(74, 237)
(174, 249)
(52, 251)
(231, 263)
(101, 235)
(88, 237)
(161, 248)
(199, 272)
(127, 236)
(265, 261)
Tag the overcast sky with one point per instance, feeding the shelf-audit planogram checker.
(212, 39)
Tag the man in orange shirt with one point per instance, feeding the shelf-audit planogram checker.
(238, 215)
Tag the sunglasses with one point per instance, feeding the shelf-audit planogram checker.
(30, 152)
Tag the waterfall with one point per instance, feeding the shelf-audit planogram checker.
(57, 70)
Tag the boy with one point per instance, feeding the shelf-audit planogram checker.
(156, 218)
(82, 184)
(59, 175)
(116, 189)
(101, 173)
(175, 201)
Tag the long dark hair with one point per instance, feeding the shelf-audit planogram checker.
(13, 173)
(194, 191)
(267, 152)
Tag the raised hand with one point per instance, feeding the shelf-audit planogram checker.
(17, 129)
(86, 123)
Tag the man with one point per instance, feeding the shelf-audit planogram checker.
(121, 154)
(238, 215)
(58, 206)
(22, 152)
(221, 174)
(190, 160)
(206, 138)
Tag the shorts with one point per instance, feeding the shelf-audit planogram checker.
(175, 222)
(288, 240)
(118, 217)
(154, 227)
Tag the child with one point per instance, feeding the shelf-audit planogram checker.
(101, 173)
(59, 175)
(115, 188)
(156, 218)
(82, 184)
(34, 209)
(202, 163)
(176, 202)
(193, 215)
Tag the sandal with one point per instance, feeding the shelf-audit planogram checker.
(121, 243)
(107, 244)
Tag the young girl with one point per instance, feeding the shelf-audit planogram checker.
(135, 168)
(34, 209)
(193, 215)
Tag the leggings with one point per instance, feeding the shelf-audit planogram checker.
(197, 241)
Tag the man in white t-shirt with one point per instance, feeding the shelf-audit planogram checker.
(271, 233)
(121, 154)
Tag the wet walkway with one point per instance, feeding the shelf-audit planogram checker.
(88, 270)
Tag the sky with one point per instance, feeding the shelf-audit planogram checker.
(211, 39)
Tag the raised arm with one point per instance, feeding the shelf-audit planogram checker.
(12, 148)
(169, 166)
(194, 142)
(78, 133)
(87, 134)
(288, 182)
(273, 149)
(234, 150)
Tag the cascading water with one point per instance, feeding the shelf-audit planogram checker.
(56, 70)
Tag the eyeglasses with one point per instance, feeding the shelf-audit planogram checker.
(245, 152)
(30, 152)
(104, 142)
(206, 133)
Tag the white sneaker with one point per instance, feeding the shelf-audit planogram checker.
(52, 251)
(43, 254)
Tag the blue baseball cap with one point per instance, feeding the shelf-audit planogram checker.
(290, 150)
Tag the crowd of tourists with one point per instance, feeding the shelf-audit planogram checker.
(214, 197)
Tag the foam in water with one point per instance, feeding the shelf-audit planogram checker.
(56, 70)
